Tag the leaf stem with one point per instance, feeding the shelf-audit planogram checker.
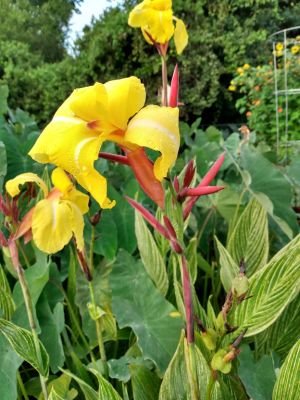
(29, 309)
(22, 387)
(210, 386)
(98, 323)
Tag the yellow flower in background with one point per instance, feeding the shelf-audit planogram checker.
(246, 66)
(232, 88)
(55, 219)
(279, 46)
(295, 49)
(156, 20)
(240, 71)
(91, 115)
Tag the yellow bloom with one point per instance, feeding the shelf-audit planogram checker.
(55, 219)
(97, 113)
(246, 66)
(295, 49)
(232, 88)
(240, 71)
(156, 20)
(279, 46)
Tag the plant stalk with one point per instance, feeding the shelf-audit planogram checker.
(164, 72)
(188, 303)
(29, 309)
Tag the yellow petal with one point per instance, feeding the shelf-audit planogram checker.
(68, 143)
(12, 186)
(157, 128)
(52, 225)
(138, 15)
(180, 36)
(125, 98)
(90, 103)
(161, 5)
(61, 180)
(77, 225)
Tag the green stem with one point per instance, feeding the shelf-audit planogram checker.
(22, 387)
(29, 309)
(210, 387)
(98, 323)
(164, 72)
(92, 250)
(21, 249)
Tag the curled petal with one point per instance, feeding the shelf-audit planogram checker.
(211, 174)
(203, 190)
(61, 180)
(125, 98)
(157, 128)
(180, 36)
(174, 90)
(13, 185)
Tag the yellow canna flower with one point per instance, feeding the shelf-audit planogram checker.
(156, 20)
(295, 49)
(279, 46)
(232, 88)
(91, 115)
(55, 219)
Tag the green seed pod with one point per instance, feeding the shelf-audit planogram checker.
(210, 338)
(240, 285)
(218, 363)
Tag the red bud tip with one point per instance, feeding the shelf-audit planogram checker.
(170, 227)
(114, 157)
(174, 91)
(189, 173)
(204, 190)
(149, 217)
(176, 184)
(211, 174)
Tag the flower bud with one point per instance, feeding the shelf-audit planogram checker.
(220, 324)
(240, 286)
(219, 364)
(210, 338)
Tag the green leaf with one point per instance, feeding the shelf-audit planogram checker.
(54, 396)
(229, 268)
(9, 365)
(249, 240)
(258, 377)
(123, 215)
(37, 277)
(281, 336)
(175, 384)
(119, 369)
(192, 259)
(50, 333)
(268, 180)
(3, 164)
(150, 255)
(22, 342)
(271, 288)
(106, 237)
(287, 384)
(59, 388)
(138, 304)
(3, 99)
(7, 305)
(88, 391)
(106, 390)
(145, 384)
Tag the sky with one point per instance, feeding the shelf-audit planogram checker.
(88, 9)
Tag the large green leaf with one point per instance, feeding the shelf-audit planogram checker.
(7, 305)
(138, 304)
(3, 164)
(258, 377)
(106, 390)
(37, 277)
(249, 239)
(22, 341)
(88, 391)
(271, 288)
(281, 336)
(106, 237)
(287, 384)
(9, 364)
(268, 180)
(229, 268)
(175, 385)
(145, 384)
(150, 255)
(59, 389)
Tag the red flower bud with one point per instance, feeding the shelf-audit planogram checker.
(174, 91)
(189, 173)
(204, 190)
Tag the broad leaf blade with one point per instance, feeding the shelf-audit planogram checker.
(249, 240)
(106, 390)
(145, 384)
(9, 365)
(271, 288)
(138, 304)
(22, 342)
(150, 255)
(7, 305)
(229, 268)
(287, 384)
(88, 391)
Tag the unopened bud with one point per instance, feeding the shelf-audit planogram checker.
(220, 324)
(219, 364)
(95, 219)
(240, 286)
(210, 338)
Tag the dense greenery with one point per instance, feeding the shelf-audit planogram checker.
(222, 37)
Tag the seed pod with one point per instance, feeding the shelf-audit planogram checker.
(240, 285)
(210, 338)
(218, 363)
